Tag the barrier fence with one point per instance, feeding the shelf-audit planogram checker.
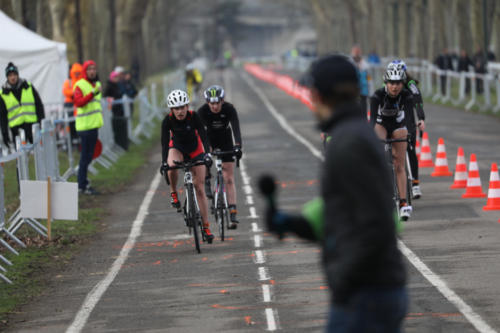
(53, 137)
(465, 89)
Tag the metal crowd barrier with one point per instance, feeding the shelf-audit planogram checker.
(54, 136)
(430, 82)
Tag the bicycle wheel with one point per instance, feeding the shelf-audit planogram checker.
(220, 222)
(219, 209)
(192, 217)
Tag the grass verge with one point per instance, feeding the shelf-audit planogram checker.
(42, 259)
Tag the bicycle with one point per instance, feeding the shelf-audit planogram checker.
(191, 209)
(409, 179)
(220, 207)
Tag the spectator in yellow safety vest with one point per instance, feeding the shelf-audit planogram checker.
(87, 99)
(20, 105)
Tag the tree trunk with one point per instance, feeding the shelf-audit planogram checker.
(463, 20)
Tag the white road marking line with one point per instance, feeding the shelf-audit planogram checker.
(253, 213)
(266, 292)
(255, 227)
(282, 120)
(100, 288)
(263, 274)
(249, 200)
(271, 322)
(247, 189)
(259, 257)
(475, 319)
(257, 241)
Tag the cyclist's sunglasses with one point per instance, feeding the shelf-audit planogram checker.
(394, 82)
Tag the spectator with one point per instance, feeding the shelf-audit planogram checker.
(373, 58)
(193, 81)
(480, 65)
(353, 223)
(75, 74)
(87, 99)
(443, 62)
(113, 91)
(129, 89)
(464, 62)
(118, 122)
(362, 68)
(20, 105)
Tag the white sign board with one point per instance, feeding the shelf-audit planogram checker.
(64, 200)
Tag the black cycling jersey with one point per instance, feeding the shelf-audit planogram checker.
(183, 133)
(390, 112)
(218, 130)
(412, 86)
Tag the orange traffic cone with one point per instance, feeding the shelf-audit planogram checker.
(460, 170)
(417, 149)
(441, 168)
(494, 190)
(473, 189)
(425, 153)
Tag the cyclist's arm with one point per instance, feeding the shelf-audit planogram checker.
(200, 127)
(374, 104)
(235, 125)
(165, 139)
(417, 96)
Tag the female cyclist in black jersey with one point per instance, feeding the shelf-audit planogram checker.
(389, 106)
(411, 84)
(221, 120)
(183, 137)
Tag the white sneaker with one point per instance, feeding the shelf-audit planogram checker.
(416, 191)
(405, 212)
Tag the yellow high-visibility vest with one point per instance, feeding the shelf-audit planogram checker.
(22, 112)
(89, 116)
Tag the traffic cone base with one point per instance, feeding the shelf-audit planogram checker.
(493, 202)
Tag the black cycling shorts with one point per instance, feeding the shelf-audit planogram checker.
(224, 144)
(390, 124)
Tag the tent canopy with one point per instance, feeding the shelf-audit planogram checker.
(39, 60)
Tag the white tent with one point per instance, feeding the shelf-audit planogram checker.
(39, 60)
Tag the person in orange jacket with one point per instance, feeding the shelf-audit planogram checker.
(75, 74)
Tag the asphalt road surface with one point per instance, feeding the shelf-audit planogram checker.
(143, 274)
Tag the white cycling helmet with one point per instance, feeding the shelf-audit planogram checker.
(396, 71)
(177, 98)
(397, 64)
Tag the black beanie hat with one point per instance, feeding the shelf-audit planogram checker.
(11, 68)
(330, 71)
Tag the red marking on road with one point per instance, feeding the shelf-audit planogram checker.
(293, 183)
(248, 320)
(417, 315)
(214, 285)
(223, 291)
(173, 261)
(157, 262)
(204, 259)
(273, 282)
(228, 256)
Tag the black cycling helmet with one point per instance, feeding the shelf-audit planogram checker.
(214, 94)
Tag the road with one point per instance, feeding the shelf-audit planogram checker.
(142, 274)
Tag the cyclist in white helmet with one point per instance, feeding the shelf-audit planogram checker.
(183, 137)
(389, 106)
(412, 85)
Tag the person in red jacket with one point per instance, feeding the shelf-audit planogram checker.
(75, 74)
(87, 99)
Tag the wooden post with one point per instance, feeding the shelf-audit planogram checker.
(49, 217)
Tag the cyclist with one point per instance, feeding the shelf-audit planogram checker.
(217, 115)
(389, 105)
(194, 80)
(411, 84)
(183, 137)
